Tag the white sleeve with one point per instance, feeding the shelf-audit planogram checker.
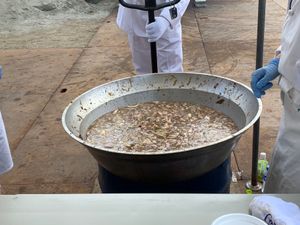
(181, 7)
(6, 162)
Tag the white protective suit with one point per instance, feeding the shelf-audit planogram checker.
(6, 162)
(169, 46)
(284, 173)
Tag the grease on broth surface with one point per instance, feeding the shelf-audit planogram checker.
(159, 127)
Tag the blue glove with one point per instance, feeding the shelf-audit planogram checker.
(157, 28)
(261, 78)
(1, 72)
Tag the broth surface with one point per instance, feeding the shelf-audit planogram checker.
(159, 127)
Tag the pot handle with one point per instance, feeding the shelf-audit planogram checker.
(150, 6)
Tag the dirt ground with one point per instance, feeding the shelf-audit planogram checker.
(52, 56)
(50, 23)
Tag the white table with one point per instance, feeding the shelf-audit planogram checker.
(122, 209)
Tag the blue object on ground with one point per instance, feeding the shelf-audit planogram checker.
(216, 181)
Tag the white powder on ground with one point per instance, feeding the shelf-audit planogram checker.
(20, 16)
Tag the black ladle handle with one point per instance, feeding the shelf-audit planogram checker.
(148, 7)
(153, 49)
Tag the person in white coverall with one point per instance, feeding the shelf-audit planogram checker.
(165, 31)
(6, 162)
(284, 172)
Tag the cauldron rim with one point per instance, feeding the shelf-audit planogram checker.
(206, 148)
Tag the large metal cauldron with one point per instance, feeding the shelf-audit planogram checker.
(228, 96)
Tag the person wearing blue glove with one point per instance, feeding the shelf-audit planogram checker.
(284, 171)
(6, 162)
(261, 78)
(165, 31)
